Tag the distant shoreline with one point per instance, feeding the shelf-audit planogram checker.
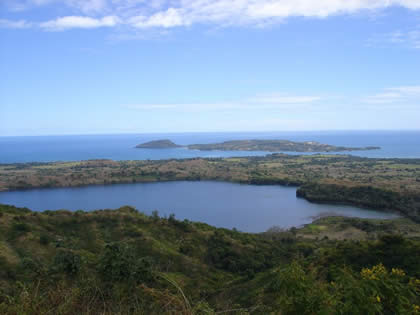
(256, 145)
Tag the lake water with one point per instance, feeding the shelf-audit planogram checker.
(401, 144)
(248, 208)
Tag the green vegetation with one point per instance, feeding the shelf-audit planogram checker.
(363, 196)
(383, 184)
(124, 262)
(274, 146)
(342, 228)
(158, 144)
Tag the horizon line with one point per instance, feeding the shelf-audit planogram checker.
(209, 132)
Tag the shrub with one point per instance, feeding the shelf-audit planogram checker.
(375, 290)
(18, 229)
(44, 239)
(68, 262)
(119, 263)
(298, 291)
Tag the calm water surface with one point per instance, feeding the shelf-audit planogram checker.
(401, 144)
(246, 207)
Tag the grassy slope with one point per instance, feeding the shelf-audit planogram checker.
(91, 262)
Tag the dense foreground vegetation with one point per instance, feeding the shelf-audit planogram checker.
(384, 184)
(124, 262)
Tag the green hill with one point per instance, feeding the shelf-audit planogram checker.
(125, 262)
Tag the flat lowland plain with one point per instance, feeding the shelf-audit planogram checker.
(384, 184)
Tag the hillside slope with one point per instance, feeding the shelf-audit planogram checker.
(124, 262)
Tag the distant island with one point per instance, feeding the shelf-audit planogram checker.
(158, 144)
(257, 145)
(274, 146)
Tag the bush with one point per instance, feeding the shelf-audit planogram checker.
(68, 262)
(119, 263)
(375, 290)
(298, 292)
(44, 239)
(31, 267)
(18, 229)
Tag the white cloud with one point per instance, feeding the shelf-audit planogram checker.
(397, 95)
(14, 24)
(409, 38)
(40, 2)
(188, 106)
(88, 6)
(284, 99)
(274, 101)
(176, 13)
(411, 4)
(395, 98)
(85, 6)
(413, 90)
(68, 22)
(257, 12)
(152, 106)
(166, 19)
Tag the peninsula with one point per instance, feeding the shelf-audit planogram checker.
(256, 145)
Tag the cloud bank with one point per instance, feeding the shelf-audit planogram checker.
(402, 97)
(269, 102)
(4, 23)
(397, 96)
(145, 14)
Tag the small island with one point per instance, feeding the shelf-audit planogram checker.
(257, 145)
(158, 144)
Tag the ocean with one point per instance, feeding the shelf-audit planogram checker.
(394, 144)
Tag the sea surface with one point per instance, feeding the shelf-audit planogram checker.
(248, 208)
(394, 144)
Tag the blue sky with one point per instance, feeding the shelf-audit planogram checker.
(123, 66)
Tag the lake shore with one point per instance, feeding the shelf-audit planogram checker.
(381, 184)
